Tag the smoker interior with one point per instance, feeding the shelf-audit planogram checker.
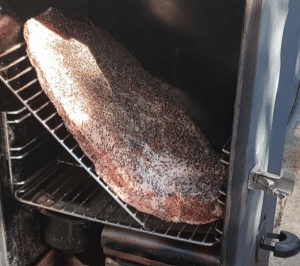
(180, 42)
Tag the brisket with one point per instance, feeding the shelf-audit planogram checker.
(141, 141)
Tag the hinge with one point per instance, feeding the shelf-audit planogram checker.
(280, 186)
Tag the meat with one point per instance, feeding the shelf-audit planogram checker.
(141, 141)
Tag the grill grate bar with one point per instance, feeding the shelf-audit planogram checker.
(86, 199)
(12, 49)
(32, 181)
(49, 172)
(88, 209)
(221, 202)
(76, 196)
(28, 143)
(17, 121)
(116, 209)
(222, 192)
(28, 152)
(26, 86)
(57, 127)
(43, 191)
(49, 117)
(169, 228)
(207, 234)
(33, 97)
(65, 138)
(217, 229)
(16, 112)
(119, 222)
(80, 159)
(110, 202)
(66, 193)
(69, 163)
(20, 74)
(154, 230)
(14, 63)
(146, 219)
(75, 147)
(41, 107)
(181, 230)
(194, 232)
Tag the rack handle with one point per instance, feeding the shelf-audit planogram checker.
(287, 246)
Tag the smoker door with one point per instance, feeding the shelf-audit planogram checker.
(267, 83)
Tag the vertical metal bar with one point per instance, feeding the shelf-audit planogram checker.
(7, 148)
(156, 226)
(194, 232)
(146, 219)
(180, 232)
(3, 248)
(207, 234)
(169, 229)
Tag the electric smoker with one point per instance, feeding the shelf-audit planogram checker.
(235, 69)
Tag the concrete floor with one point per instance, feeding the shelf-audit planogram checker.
(288, 217)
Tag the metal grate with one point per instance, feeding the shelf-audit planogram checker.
(35, 100)
(67, 189)
(18, 152)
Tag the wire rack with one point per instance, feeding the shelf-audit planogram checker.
(35, 100)
(65, 186)
(68, 189)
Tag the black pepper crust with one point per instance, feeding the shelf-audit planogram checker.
(143, 144)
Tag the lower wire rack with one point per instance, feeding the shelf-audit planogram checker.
(68, 189)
